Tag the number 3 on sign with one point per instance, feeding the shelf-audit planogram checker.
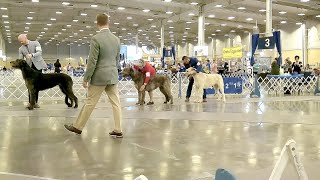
(267, 42)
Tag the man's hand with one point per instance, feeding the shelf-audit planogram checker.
(29, 56)
(142, 87)
(85, 84)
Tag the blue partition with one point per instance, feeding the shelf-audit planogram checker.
(231, 86)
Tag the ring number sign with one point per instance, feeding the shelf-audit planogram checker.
(266, 43)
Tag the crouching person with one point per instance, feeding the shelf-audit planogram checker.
(149, 71)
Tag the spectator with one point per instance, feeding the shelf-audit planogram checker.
(295, 66)
(275, 69)
(57, 66)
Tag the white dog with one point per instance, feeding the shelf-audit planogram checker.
(204, 81)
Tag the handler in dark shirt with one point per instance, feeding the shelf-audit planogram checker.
(193, 62)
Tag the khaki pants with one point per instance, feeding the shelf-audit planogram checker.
(94, 93)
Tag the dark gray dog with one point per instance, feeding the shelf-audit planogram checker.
(36, 81)
(158, 81)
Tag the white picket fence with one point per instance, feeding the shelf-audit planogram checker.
(12, 86)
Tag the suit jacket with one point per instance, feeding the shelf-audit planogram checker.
(33, 48)
(104, 59)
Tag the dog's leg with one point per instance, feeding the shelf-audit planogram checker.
(163, 91)
(71, 96)
(168, 90)
(222, 91)
(64, 91)
(32, 99)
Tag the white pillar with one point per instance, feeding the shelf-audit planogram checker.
(304, 36)
(201, 23)
(137, 42)
(269, 17)
(162, 36)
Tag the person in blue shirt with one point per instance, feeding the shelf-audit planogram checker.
(193, 62)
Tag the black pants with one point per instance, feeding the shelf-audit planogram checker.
(189, 90)
(37, 93)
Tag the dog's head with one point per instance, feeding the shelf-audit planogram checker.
(191, 72)
(126, 72)
(19, 63)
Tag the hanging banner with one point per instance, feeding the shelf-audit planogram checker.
(234, 52)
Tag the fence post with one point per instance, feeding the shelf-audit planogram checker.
(317, 90)
(256, 91)
(180, 85)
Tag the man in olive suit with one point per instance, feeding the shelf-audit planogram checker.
(102, 74)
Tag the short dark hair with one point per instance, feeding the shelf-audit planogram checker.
(297, 57)
(184, 57)
(102, 19)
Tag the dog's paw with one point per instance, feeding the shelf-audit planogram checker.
(30, 108)
(165, 102)
(69, 105)
(76, 106)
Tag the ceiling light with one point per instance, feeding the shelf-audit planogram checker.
(59, 33)
(65, 3)
(43, 32)
(171, 32)
(194, 3)
(146, 10)
(91, 34)
(191, 14)
(7, 26)
(169, 12)
(156, 31)
(206, 23)
(71, 36)
(171, 27)
(226, 35)
(218, 5)
(169, 21)
(3, 8)
(40, 35)
(30, 18)
(282, 12)
(53, 19)
(75, 33)
(150, 19)
(241, 8)
(135, 25)
(121, 8)
(304, 0)
(129, 17)
(75, 20)
(8, 30)
(262, 10)
(211, 16)
(301, 14)
(94, 5)
(81, 30)
(63, 29)
(240, 26)
(298, 23)
(6, 22)
(116, 23)
(249, 19)
(218, 30)
(232, 31)
(49, 24)
(68, 25)
(187, 28)
(213, 34)
(231, 17)
(318, 16)
(223, 24)
(28, 23)
(123, 29)
(88, 27)
(153, 26)
(58, 12)
(35, 1)
(283, 22)
(167, 0)
(5, 16)
(140, 30)
(45, 29)
(83, 14)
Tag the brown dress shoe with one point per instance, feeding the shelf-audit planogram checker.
(72, 129)
(116, 134)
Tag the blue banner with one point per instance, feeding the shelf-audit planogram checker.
(231, 86)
